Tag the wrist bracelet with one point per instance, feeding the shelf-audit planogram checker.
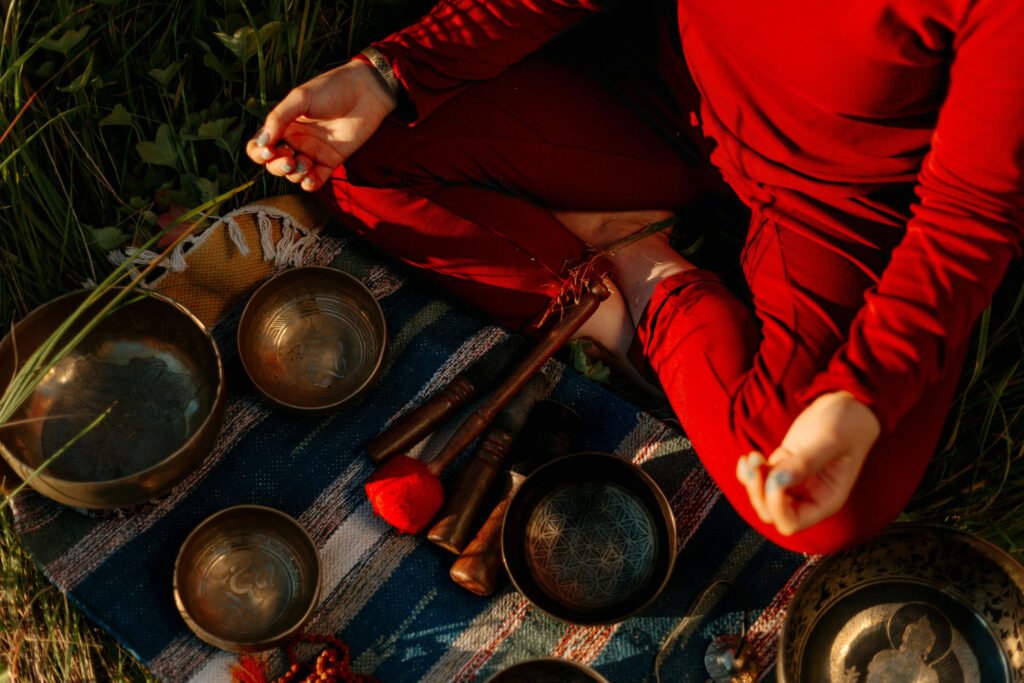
(384, 71)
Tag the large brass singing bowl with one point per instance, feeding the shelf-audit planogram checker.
(589, 538)
(312, 339)
(917, 604)
(159, 368)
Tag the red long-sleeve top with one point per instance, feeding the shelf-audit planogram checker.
(827, 113)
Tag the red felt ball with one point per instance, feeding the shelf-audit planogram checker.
(405, 494)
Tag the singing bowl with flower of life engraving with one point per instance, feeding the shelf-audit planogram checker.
(247, 578)
(312, 339)
(151, 363)
(917, 604)
(589, 538)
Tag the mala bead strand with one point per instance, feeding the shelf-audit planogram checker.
(332, 665)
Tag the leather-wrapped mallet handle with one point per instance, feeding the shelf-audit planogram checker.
(413, 427)
(551, 431)
(559, 334)
(479, 566)
(455, 526)
(461, 510)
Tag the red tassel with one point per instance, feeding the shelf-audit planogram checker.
(249, 669)
(405, 494)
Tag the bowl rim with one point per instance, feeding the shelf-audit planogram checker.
(663, 505)
(74, 484)
(302, 537)
(1005, 561)
(327, 271)
(589, 671)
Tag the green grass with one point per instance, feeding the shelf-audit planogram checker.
(115, 112)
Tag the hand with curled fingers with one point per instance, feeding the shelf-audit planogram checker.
(321, 123)
(810, 475)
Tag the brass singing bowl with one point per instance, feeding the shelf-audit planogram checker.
(150, 359)
(312, 339)
(247, 578)
(917, 604)
(589, 538)
(547, 670)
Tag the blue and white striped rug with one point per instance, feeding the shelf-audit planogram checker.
(389, 595)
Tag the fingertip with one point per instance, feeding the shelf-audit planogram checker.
(778, 480)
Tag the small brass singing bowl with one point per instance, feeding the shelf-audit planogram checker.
(152, 364)
(589, 538)
(547, 670)
(916, 603)
(312, 339)
(247, 578)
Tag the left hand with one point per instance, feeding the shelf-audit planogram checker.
(810, 475)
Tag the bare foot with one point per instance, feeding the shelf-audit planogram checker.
(637, 270)
(638, 267)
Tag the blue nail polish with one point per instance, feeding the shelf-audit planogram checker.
(262, 139)
(266, 154)
(302, 167)
(288, 168)
(746, 471)
(778, 480)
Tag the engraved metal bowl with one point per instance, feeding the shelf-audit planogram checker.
(247, 578)
(918, 604)
(312, 339)
(547, 670)
(159, 368)
(589, 538)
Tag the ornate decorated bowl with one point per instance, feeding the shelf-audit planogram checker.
(247, 578)
(157, 369)
(589, 538)
(312, 339)
(918, 604)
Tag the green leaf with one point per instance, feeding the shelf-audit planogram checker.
(160, 152)
(585, 365)
(66, 42)
(164, 76)
(81, 81)
(228, 73)
(108, 238)
(118, 117)
(215, 130)
(244, 42)
(208, 189)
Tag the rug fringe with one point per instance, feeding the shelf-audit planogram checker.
(290, 250)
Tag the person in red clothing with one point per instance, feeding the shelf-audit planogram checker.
(879, 146)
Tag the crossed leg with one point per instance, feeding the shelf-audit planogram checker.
(478, 198)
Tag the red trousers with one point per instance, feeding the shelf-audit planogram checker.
(466, 196)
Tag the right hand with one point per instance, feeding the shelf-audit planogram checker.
(323, 122)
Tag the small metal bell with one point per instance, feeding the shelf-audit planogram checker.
(728, 661)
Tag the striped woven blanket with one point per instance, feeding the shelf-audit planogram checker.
(389, 595)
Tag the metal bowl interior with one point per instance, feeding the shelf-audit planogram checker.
(247, 578)
(312, 339)
(151, 360)
(547, 670)
(917, 603)
(589, 538)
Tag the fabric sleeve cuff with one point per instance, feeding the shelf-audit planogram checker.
(830, 381)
